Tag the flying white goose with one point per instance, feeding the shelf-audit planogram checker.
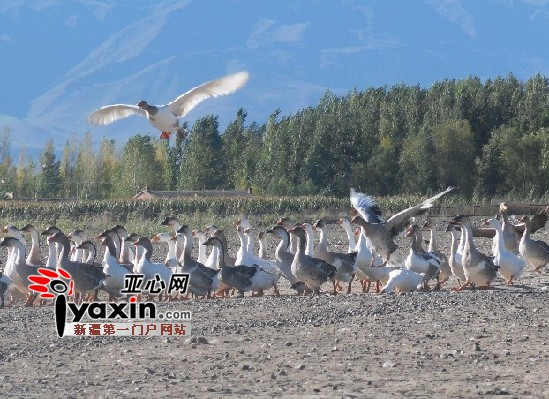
(164, 117)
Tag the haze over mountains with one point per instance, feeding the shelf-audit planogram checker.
(63, 59)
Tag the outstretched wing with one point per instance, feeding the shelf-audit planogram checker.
(111, 113)
(366, 207)
(226, 85)
(399, 221)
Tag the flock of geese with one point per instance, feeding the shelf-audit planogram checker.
(372, 255)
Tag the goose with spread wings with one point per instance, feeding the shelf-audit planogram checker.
(382, 233)
(165, 117)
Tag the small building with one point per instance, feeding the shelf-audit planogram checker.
(147, 194)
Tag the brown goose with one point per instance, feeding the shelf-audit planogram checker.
(445, 271)
(287, 224)
(237, 277)
(478, 268)
(312, 271)
(174, 224)
(536, 252)
(342, 261)
(227, 259)
(202, 277)
(33, 257)
(86, 277)
(382, 233)
(284, 259)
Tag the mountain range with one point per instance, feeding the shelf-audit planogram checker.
(62, 59)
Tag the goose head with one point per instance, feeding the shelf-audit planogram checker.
(28, 228)
(213, 242)
(298, 231)
(51, 230)
(319, 224)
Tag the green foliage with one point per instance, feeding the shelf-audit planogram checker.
(202, 165)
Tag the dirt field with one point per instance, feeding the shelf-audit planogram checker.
(438, 344)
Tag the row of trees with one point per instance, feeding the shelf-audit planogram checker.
(487, 138)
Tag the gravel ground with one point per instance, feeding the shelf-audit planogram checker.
(438, 344)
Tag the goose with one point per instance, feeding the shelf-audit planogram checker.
(510, 264)
(421, 261)
(309, 233)
(536, 252)
(262, 240)
(167, 238)
(78, 236)
(312, 271)
(125, 256)
(284, 259)
(91, 252)
(174, 224)
(380, 232)
(5, 284)
(202, 255)
(150, 270)
(138, 250)
(512, 234)
(86, 277)
(343, 262)
(346, 225)
(455, 265)
(478, 268)
(247, 228)
(287, 224)
(403, 280)
(368, 266)
(445, 271)
(201, 281)
(268, 274)
(212, 260)
(165, 117)
(227, 259)
(33, 257)
(54, 248)
(10, 268)
(114, 272)
(238, 277)
(23, 269)
(13, 231)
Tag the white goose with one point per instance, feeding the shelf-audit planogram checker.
(114, 272)
(268, 274)
(419, 260)
(346, 225)
(167, 238)
(213, 257)
(455, 265)
(403, 280)
(510, 264)
(149, 269)
(202, 255)
(33, 257)
(165, 117)
(78, 237)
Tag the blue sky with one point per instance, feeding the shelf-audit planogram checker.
(62, 59)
